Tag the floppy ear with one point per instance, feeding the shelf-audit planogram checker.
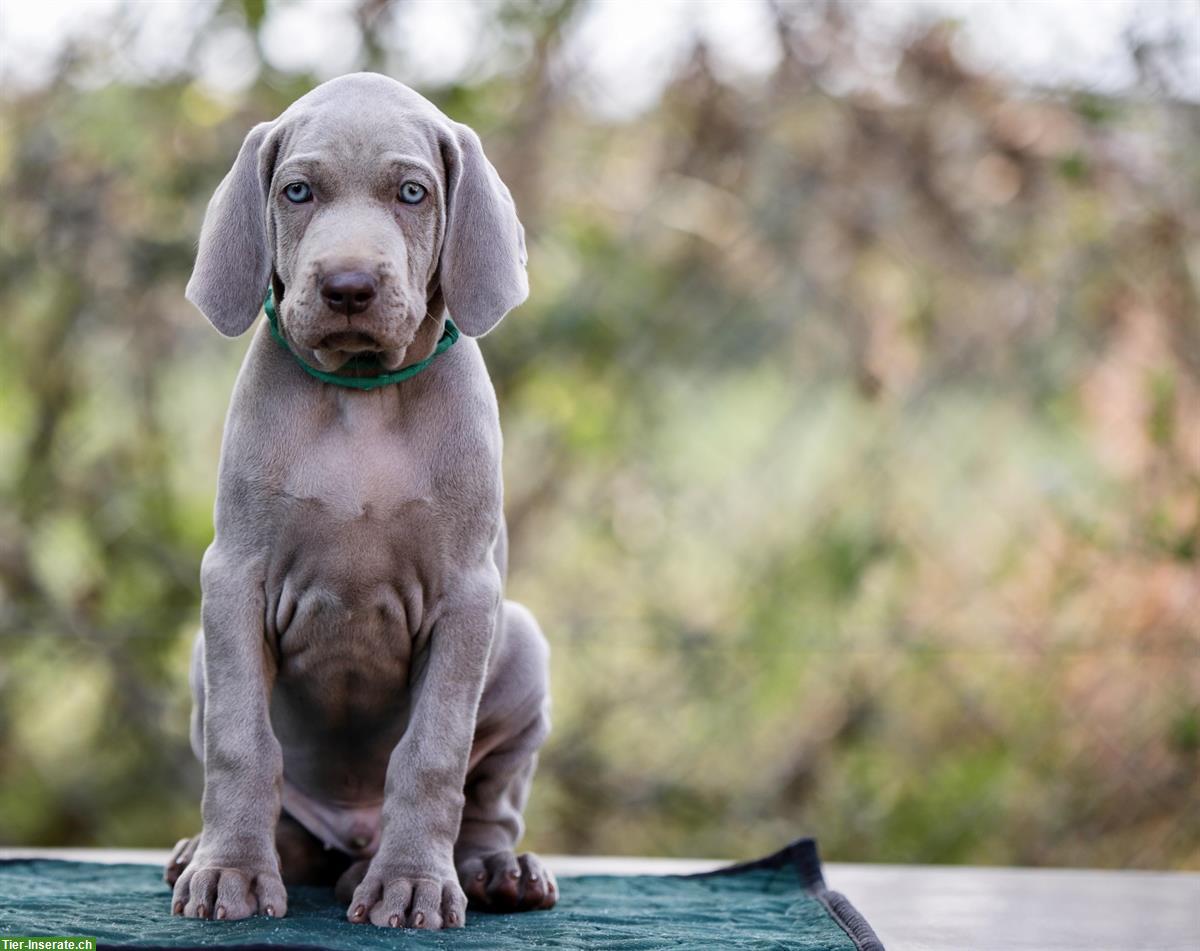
(233, 263)
(483, 255)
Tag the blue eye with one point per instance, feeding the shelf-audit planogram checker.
(412, 193)
(298, 193)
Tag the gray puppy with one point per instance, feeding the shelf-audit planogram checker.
(367, 707)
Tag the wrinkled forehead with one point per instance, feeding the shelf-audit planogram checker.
(357, 125)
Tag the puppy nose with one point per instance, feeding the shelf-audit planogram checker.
(348, 292)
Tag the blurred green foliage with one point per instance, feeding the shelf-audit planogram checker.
(852, 451)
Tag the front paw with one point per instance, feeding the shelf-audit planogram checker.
(228, 891)
(402, 896)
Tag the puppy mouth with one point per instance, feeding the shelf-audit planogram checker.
(357, 353)
(350, 341)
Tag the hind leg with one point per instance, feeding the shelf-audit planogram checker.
(512, 724)
(181, 855)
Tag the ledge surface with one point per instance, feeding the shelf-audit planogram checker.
(933, 908)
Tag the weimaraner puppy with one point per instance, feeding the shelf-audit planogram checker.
(368, 708)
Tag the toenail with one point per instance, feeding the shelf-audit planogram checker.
(203, 912)
(270, 911)
(480, 876)
(419, 918)
(177, 909)
(513, 874)
(452, 918)
(533, 876)
(221, 912)
(394, 921)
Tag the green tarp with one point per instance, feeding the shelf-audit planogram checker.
(779, 902)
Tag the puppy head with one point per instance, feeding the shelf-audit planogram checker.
(367, 210)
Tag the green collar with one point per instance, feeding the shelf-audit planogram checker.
(449, 337)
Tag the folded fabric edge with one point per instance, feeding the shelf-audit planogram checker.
(104, 946)
(802, 856)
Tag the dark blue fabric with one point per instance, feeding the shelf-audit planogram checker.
(777, 904)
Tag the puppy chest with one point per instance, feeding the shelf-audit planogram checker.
(356, 586)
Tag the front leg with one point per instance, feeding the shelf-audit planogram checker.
(411, 881)
(235, 869)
